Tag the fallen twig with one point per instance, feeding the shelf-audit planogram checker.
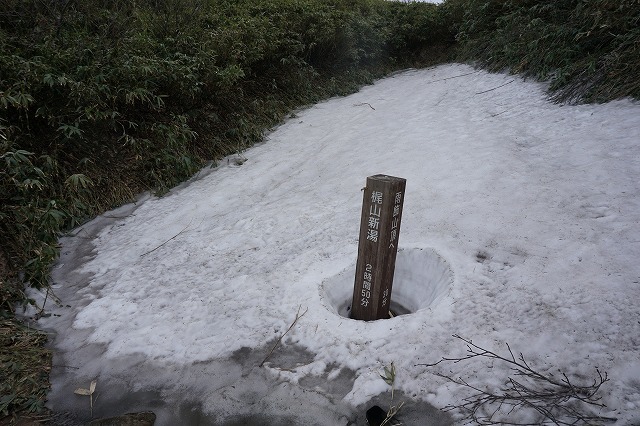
(556, 401)
(502, 85)
(391, 414)
(365, 103)
(449, 78)
(41, 311)
(175, 236)
(298, 316)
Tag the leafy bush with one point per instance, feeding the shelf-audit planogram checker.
(589, 50)
(101, 100)
(416, 26)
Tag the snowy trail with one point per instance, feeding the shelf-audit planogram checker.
(533, 206)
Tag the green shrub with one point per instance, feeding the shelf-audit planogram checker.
(590, 50)
(101, 100)
(415, 26)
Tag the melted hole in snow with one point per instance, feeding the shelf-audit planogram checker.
(421, 277)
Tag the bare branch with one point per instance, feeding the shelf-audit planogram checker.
(557, 402)
(298, 316)
(175, 236)
(365, 103)
(502, 85)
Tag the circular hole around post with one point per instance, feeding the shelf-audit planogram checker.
(420, 279)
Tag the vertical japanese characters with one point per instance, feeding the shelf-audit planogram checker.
(379, 232)
(373, 232)
(375, 209)
(393, 238)
(395, 221)
(366, 285)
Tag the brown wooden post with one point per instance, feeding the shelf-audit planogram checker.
(378, 246)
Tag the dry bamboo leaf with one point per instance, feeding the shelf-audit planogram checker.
(81, 391)
(92, 387)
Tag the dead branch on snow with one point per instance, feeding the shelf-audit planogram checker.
(298, 316)
(544, 398)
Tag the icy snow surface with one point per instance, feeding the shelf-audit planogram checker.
(526, 213)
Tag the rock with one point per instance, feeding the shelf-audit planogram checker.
(146, 418)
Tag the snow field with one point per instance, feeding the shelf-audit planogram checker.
(531, 207)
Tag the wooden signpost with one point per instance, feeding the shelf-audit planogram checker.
(378, 246)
